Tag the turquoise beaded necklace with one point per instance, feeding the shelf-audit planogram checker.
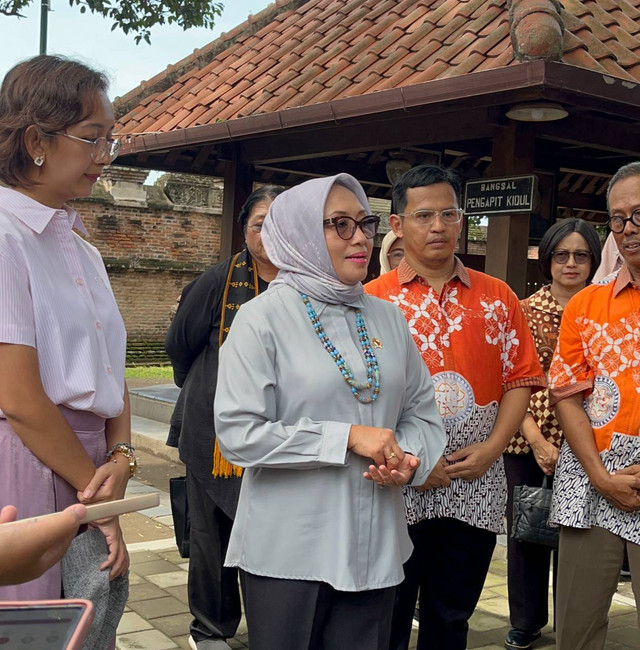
(373, 372)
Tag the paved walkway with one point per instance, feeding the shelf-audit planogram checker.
(157, 615)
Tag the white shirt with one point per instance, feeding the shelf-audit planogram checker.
(55, 296)
(284, 411)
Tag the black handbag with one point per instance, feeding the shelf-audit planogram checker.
(180, 512)
(531, 515)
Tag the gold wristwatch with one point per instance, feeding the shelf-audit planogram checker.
(126, 450)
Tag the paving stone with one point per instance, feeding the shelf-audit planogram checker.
(135, 579)
(624, 620)
(132, 622)
(147, 640)
(618, 609)
(481, 621)
(141, 488)
(493, 580)
(173, 556)
(239, 642)
(137, 557)
(175, 625)
(182, 641)
(179, 592)
(157, 511)
(499, 606)
(152, 609)
(476, 639)
(500, 590)
(628, 636)
(145, 591)
(499, 567)
(154, 567)
(165, 520)
(171, 579)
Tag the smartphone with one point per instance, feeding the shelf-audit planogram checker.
(44, 624)
(104, 510)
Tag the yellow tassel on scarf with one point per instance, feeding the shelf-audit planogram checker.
(222, 468)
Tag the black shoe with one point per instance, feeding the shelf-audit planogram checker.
(520, 640)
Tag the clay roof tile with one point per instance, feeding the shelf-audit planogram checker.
(297, 52)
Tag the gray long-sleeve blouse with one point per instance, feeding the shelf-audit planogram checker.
(283, 411)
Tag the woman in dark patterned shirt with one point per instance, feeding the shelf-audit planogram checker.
(569, 255)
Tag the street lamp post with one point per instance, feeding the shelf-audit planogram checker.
(44, 16)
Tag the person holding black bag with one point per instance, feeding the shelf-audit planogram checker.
(202, 322)
(568, 255)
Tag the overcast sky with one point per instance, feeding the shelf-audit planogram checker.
(89, 38)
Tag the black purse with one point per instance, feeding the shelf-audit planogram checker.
(531, 507)
(180, 513)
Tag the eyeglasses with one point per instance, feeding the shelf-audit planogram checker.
(101, 148)
(618, 224)
(427, 217)
(579, 257)
(346, 226)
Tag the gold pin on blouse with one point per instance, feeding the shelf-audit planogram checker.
(376, 343)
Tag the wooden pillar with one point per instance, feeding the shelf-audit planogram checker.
(238, 184)
(508, 235)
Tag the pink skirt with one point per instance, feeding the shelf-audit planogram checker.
(35, 489)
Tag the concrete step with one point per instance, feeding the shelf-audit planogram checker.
(151, 436)
(154, 402)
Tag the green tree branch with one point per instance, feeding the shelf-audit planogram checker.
(138, 16)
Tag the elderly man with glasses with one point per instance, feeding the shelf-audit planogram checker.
(475, 341)
(595, 382)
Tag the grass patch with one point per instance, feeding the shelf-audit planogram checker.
(149, 372)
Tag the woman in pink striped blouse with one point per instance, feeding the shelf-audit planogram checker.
(63, 399)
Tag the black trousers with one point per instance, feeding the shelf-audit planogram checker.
(310, 615)
(527, 564)
(449, 565)
(214, 595)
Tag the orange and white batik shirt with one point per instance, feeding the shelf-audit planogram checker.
(598, 353)
(477, 345)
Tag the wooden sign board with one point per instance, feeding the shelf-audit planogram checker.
(492, 196)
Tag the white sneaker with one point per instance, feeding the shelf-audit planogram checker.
(209, 644)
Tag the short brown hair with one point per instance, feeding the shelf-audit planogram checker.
(49, 92)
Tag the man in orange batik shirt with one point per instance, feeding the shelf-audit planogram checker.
(474, 338)
(595, 380)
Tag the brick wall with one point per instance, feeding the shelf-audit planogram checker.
(152, 246)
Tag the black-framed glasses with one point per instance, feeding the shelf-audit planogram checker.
(346, 226)
(103, 150)
(579, 257)
(617, 223)
(427, 217)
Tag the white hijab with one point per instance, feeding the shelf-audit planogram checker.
(293, 238)
(387, 242)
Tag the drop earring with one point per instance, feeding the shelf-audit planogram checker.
(39, 161)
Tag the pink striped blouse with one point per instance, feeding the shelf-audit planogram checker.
(55, 296)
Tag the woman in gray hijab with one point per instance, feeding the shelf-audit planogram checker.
(325, 401)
